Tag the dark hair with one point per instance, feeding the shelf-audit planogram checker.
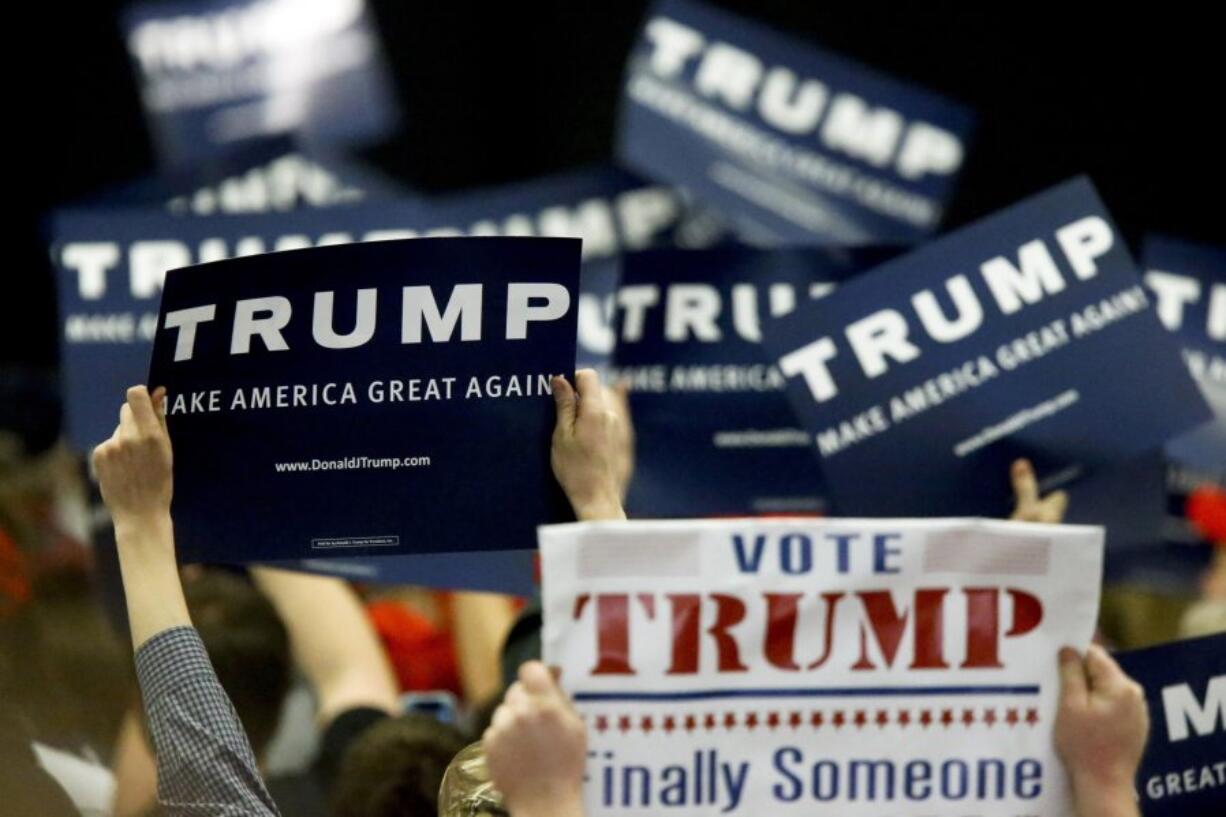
(248, 646)
(63, 667)
(395, 768)
(25, 788)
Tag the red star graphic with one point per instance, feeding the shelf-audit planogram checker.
(623, 723)
(795, 720)
(926, 719)
(947, 717)
(968, 717)
(861, 718)
(751, 721)
(772, 720)
(883, 718)
(1032, 716)
(691, 723)
(1011, 717)
(709, 722)
(989, 717)
(838, 720)
(729, 720)
(670, 723)
(602, 724)
(816, 720)
(646, 724)
(904, 718)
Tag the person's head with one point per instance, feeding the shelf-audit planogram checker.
(63, 666)
(248, 646)
(395, 768)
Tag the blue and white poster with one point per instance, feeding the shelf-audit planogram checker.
(387, 398)
(272, 175)
(217, 73)
(1183, 772)
(791, 143)
(1188, 282)
(493, 571)
(110, 262)
(613, 211)
(1027, 334)
(715, 433)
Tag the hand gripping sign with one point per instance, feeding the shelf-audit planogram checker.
(874, 667)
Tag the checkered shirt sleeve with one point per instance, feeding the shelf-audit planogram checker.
(205, 764)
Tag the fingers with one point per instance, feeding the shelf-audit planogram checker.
(159, 405)
(1102, 671)
(127, 423)
(516, 695)
(1025, 485)
(537, 679)
(591, 395)
(620, 399)
(564, 399)
(1074, 688)
(143, 414)
(1057, 506)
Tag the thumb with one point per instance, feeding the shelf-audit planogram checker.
(537, 679)
(564, 400)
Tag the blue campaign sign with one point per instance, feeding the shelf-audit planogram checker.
(1183, 772)
(493, 571)
(110, 262)
(1189, 285)
(386, 398)
(272, 175)
(790, 142)
(217, 73)
(1147, 543)
(613, 211)
(715, 434)
(1027, 334)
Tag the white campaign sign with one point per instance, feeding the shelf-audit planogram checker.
(879, 668)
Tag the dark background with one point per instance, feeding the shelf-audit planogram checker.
(492, 92)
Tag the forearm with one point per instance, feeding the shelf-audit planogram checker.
(151, 582)
(481, 622)
(135, 769)
(333, 641)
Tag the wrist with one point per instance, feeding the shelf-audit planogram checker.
(142, 526)
(563, 804)
(1105, 795)
(599, 509)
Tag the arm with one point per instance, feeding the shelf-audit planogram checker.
(590, 448)
(1101, 729)
(333, 642)
(135, 769)
(205, 764)
(480, 623)
(536, 748)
